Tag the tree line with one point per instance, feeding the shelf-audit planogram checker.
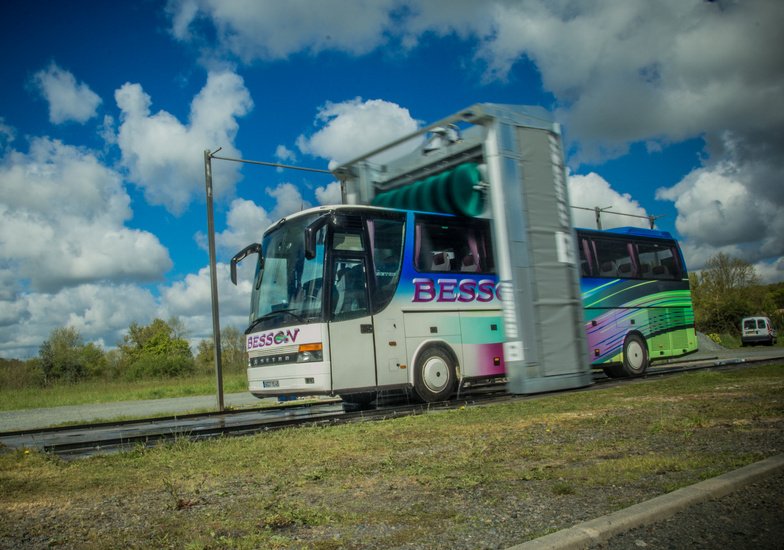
(727, 290)
(157, 350)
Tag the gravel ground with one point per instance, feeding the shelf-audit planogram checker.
(751, 517)
(467, 516)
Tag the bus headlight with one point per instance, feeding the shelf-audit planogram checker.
(308, 353)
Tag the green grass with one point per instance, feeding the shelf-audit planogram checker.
(733, 341)
(109, 391)
(417, 481)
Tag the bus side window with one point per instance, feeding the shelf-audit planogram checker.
(614, 259)
(386, 247)
(660, 259)
(349, 292)
(453, 245)
(585, 257)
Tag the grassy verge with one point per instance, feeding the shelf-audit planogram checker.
(476, 477)
(733, 341)
(110, 391)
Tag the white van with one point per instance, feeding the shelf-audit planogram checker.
(757, 330)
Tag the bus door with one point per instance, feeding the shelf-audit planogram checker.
(352, 350)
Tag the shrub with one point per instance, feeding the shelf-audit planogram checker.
(16, 374)
(155, 351)
(164, 366)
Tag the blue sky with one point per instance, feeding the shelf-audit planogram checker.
(672, 108)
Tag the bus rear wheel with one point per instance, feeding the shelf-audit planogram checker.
(635, 355)
(435, 375)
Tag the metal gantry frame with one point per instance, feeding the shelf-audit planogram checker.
(598, 212)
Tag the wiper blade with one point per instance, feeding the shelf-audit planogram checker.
(297, 316)
(270, 314)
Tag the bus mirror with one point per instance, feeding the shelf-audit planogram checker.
(310, 235)
(254, 248)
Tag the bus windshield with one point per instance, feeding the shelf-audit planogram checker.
(288, 286)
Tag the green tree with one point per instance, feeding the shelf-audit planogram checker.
(64, 356)
(726, 290)
(776, 292)
(95, 362)
(154, 350)
(205, 356)
(234, 358)
(178, 330)
(17, 374)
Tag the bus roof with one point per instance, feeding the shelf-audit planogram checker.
(621, 231)
(633, 232)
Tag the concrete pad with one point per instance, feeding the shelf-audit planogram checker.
(662, 507)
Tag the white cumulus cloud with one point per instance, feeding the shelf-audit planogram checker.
(284, 154)
(165, 156)
(269, 29)
(62, 216)
(329, 194)
(100, 312)
(591, 191)
(246, 222)
(190, 299)
(351, 128)
(719, 212)
(68, 99)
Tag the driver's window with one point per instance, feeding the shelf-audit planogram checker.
(349, 291)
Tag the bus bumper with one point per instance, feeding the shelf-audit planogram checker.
(304, 379)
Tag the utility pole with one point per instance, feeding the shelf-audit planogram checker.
(213, 277)
(598, 212)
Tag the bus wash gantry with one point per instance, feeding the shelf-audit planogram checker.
(505, 163)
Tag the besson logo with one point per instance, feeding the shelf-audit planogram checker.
(453, 290)
(272, 338)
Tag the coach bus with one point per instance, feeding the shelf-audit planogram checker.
(350, 300)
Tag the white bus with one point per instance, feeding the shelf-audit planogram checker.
(349, 300)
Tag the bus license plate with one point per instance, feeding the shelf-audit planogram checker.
(271, 383)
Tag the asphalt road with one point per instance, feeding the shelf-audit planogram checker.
(31, 419)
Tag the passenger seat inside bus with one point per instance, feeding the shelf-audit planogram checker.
(661, 272)
(440, 262)
(469, 264)
(625, 270)
(348, 294)
(607, 269)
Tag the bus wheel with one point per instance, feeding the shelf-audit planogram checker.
(435, 375)
(635, 355)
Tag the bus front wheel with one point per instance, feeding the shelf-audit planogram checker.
(635, 355)
(435, 375)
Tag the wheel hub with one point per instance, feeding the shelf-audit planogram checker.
(435, 375)
(635, 355)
